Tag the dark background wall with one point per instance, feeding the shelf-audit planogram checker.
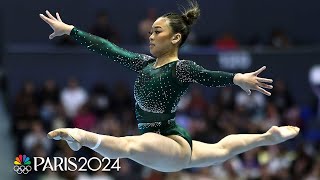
(243, 18)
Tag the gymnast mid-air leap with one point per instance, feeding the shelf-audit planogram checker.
(161, 81)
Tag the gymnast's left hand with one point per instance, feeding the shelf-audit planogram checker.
(60, 28)
(251, 81)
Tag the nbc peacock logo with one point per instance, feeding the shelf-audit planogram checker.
(22, 164)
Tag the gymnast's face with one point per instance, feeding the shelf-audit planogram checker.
(162, 39)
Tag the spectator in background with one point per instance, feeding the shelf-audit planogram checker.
(281, 96)
(314, 174)
(252, 105)
(49, 99)
(271, 117)
(73, 97)
(103, 28)
(121, 97)
(25, 111)
(314, 80)
(60, 119)
(226, 42)
(292, 117)
(37, 136)
(225, 98)
(251, 165)
(27, 97)
(302, 165)
(47, 112)
(232, 169)
(279, 39)
(100, 99)
(84, 118)
(145, 24)
(197, 105)
(49, 92)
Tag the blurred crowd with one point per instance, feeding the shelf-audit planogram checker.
(103, 27)
(103, 109)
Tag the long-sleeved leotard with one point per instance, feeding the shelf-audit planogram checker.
(157, 91)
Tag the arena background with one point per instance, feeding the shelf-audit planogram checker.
(235, 36)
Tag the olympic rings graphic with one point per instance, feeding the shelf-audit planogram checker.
(22, 169)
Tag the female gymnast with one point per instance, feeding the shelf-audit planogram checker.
(161, 81)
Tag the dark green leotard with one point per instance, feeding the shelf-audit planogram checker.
(157, 91)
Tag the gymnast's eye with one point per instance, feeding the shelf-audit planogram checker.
(151, 32)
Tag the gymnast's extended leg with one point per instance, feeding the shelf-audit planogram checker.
(167, 154)
(204, 154)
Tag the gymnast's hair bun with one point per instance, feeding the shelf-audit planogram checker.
(191, 14)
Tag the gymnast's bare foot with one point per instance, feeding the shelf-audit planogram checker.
(277, 134)
(73, 136)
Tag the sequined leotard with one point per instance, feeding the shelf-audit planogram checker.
(157, 91)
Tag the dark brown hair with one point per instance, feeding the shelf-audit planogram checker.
(181, 23)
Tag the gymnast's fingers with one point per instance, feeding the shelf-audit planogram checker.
(263, 91)
(265, 85)
(52, 36)
(54, 135)
(50, 16)
(58, 17)
(257, 72)
(264, 80)
(46, 19)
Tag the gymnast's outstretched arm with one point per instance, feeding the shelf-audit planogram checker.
(133, 61)
(189, 72)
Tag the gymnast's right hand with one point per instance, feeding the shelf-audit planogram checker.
(59, 27)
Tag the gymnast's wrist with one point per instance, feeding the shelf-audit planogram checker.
(237, 78)
(68, 29)
(91, 140)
